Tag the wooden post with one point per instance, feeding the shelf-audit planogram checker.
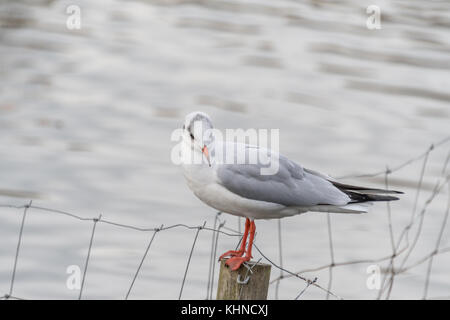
(255, 289)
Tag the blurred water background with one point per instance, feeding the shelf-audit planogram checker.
(86, 117)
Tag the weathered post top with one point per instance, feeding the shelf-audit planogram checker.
(255, 288)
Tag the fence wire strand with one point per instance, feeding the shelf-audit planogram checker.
(330, 243)
(142, 261)
(19, 242)
(189, 259)
(280, 254)
(91, 241)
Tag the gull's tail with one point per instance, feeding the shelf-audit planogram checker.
(364, 194)
(361, 198)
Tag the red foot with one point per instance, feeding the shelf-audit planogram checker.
(237, 258)
(232, 253)
(235, 262)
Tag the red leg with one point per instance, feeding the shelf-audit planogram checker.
(235, 262)
(240, 252)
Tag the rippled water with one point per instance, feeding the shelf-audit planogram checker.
(86, 117)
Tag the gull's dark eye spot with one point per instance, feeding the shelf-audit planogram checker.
(192, 136)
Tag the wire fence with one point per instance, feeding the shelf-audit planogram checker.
(398, 259)
(403, 248)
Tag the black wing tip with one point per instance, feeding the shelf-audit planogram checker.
(391, 192)
(388, 198)
(357, 197)
(348, 187)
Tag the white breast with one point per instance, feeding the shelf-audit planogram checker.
(203, 181)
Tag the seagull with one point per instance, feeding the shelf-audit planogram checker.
(239, 188)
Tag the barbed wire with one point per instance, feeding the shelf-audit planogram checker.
(401, 248)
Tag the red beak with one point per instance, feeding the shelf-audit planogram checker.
(206, 153)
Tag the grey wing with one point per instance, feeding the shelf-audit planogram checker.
(290, 186)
